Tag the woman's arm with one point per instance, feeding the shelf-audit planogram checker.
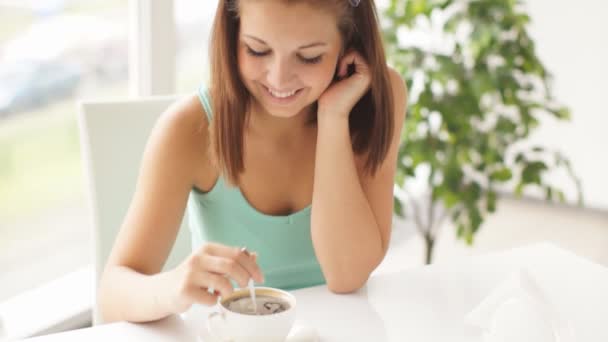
(131, 287)
(352, 213)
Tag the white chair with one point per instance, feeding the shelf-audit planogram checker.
(113, 136)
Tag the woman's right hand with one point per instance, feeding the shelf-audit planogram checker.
(211, 267)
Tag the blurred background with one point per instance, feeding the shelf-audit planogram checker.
(54, 53)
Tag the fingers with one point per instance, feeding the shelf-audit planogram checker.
(351, 57)
(345, 61)
(229, 267)
(343, 67)
(249, 262)
(244, 258)
(200, 293)
(208, 280)
(201, 296)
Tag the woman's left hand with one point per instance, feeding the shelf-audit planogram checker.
(342, 95)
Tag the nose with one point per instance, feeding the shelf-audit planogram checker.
(280, 74)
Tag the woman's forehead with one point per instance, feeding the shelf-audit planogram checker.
(297, 24)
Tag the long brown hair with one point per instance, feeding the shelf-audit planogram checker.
(371, 120)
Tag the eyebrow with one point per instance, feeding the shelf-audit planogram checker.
(301, 47)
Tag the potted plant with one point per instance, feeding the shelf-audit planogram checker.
(477, 92)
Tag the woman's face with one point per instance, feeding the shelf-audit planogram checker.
(287, 54)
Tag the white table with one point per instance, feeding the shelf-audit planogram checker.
(423, 304)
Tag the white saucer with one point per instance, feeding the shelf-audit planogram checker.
(301, 332)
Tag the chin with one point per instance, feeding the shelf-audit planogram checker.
(283, 112)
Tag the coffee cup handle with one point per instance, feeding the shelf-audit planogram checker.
(212, 326)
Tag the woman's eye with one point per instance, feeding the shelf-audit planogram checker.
(256, 53)
(313, 60)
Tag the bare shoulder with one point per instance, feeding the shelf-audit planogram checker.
(186, 119)
(180, 139)
(399, 89)
(183, 128)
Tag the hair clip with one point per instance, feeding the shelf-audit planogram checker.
(354, 3)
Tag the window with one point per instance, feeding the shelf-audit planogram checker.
(51, 54)
(193, 19)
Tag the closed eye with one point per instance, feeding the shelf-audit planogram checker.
(313, 60)
(256, 53)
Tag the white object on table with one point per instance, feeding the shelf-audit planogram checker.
(518, 310)
(424, 304)
(303, 332)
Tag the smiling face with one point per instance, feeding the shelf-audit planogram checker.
(287, 54)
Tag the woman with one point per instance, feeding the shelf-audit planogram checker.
(290, 151)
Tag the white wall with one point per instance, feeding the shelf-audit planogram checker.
(572, 41)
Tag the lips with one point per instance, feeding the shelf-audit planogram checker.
(282, 94)
(282, 98)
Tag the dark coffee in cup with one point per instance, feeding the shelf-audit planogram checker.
(266, 305)
(237, 321)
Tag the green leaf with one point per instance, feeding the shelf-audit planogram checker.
(460, 231)
(501, 175)
(475, 218)
(450, 199)
(491, 201)
(468, 237)
(531, 173)
(398, 208)
(562, 113)
(519, 189)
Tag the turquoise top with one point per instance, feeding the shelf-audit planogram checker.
(283, 243)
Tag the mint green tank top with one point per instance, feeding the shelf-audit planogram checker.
(283, 243)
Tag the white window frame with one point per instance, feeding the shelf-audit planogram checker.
(152, 48)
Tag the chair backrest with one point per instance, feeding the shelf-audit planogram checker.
(113, 136)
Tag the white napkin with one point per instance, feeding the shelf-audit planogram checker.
(302, 332)
(518, 310)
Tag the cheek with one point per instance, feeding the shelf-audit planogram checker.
(321, 77)
(249, 67)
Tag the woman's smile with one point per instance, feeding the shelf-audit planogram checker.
(282, 97)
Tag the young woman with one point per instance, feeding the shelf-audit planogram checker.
(290, 150)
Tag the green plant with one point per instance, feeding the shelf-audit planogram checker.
(477, 91)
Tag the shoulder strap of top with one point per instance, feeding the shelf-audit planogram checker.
(203, 94)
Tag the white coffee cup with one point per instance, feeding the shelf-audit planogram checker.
(226, 325)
